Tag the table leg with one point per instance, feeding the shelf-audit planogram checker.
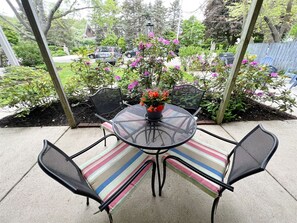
(158, 173)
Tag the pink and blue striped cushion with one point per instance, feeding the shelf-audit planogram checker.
(204, 158)
(108, 171)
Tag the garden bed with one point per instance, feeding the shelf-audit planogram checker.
(84, 115)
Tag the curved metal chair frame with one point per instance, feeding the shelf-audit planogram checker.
(188, 97)
(63, 169)
(107, 102)
(247, 149)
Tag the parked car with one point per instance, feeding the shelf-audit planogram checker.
(228, 58)
(131, 53)
(108, 54)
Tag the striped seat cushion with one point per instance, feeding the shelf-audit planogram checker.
(204, 158)
(109, 170)
(107, 126)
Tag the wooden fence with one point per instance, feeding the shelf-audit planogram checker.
(284, 54)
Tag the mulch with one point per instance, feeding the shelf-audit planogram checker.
(84, 116)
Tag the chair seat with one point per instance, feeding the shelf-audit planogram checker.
(107, 126)
(109, 170)
(203, 158)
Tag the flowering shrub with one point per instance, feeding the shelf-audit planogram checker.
(148, 69)
(254, 81)
(92, 77)
(154, 99)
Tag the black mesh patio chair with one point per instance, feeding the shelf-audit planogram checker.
(188, 97)
(207, 167)
(107, 102)
(107, 178)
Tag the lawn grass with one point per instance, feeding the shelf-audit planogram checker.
(64, 71)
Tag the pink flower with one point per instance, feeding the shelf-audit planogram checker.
(133, 64)
(177, 67)
(148, 45)
(151, 35)
(244, 61)
(274, 75)
(132, 85)
(254, 63)
(117, 78)
(175, 41)
(146, 73)
(259, 93)
(248, 91)
(214, 75)
(166, 42)
(172, 53)
(141, 46)
(160, 39)
(88, 63)
(107, 69)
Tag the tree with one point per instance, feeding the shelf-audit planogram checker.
(133, 20)
(173, 15)
(45, 18)
(275, 20)
(159, 17)
(218, 24)
(192, 32)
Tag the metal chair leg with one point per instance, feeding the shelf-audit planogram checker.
(153, 179)
(104, 134)
(214, 208)
(88, 201)
(164, 177)
(110, 217)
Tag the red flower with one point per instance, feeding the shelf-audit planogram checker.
(160, 108)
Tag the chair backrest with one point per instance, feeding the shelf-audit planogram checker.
(252, 153)
(187, 96)
(58, 165)
(266, 61)
(107, 101)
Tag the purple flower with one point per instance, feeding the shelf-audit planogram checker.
(200, 58)
(166, 42)
(172, 53)
(148, 45)
(259, 93)
(132, 85)
(107, 69)
(88, 63)
(175, 41)
(141, 46)
(214, 74)
(177, 67)
(244, 61)
(274, 75)
(118, 78)
(146, 73)
(160, 39)
(133, 64)
(254, 63)
(151, 35)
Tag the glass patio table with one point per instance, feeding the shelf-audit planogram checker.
(176, 127)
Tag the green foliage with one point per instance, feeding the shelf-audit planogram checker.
(110, 40)
(28, 53)
(92, 77)
(11, 35)
(193, 32)
(253, 82)
(25, 88)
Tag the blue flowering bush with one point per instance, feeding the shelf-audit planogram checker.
(148, 70)
(254, 82)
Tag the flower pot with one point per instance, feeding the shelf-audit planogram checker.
(154, 116)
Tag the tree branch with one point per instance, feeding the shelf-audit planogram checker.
(51, 15)
(274, 32)
(72, 10)
(16, 28)
(285, 25)
(21, 20)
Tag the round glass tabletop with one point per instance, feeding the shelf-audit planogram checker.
(175, 127)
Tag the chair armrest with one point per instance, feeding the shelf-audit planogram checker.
(222, 184)
(218, 137)
(196, 112)
(102, 118)
(92, 145)
(126, 103)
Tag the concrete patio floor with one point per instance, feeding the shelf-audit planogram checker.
(27, 194)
